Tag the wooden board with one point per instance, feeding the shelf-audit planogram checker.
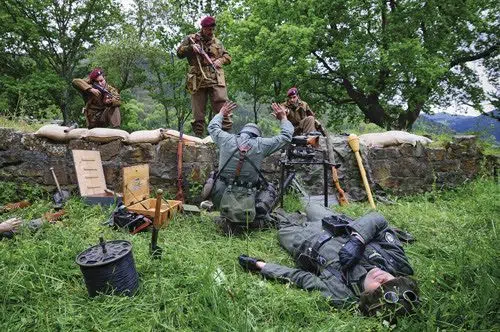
(89, 172)
(135, 184)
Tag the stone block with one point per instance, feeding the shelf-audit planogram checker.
(80, 144)
(8, 138)
(110, 150)
(384, 153)
(142, 153)
(436, 154)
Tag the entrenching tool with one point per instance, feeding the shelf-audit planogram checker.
(340, 193)
(60, 196)
(353, 141)
(155, 249)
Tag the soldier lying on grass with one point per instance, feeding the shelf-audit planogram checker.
(346, 260)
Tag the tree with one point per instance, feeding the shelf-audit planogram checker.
(57, 34)
(392, 59)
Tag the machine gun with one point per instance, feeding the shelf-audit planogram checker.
(302, 151)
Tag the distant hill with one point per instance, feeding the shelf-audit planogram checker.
(482, 125)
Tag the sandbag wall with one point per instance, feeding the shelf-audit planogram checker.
(400, 170)
(25, 157)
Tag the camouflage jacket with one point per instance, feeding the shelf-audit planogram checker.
(299, 112)
(96, 103)
(201, 74)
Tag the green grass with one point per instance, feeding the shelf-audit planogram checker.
(455, 259)
(20, 124)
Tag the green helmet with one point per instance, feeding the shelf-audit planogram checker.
(251, 129)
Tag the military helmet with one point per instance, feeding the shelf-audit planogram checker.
(251, 129)
(396, 297)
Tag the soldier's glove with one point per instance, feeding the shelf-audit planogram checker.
(351, 252)
(249, 263)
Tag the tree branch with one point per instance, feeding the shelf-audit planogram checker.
(481, 55)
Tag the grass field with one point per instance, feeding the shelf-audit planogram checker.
(456, 259)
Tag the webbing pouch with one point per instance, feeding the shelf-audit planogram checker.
(238, 204)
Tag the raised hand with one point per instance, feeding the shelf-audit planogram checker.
(280, 111)
(227, 108)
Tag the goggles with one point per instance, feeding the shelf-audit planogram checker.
(392, 297)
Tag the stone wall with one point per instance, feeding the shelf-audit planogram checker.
(400, 170)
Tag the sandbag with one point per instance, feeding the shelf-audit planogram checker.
(56, 133)
(104, 135)
(188, 139)
(207, 140)
(391, 138)
(146, 136)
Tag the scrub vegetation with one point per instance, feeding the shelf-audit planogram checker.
(198, 284)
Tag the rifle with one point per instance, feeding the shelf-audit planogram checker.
(180, 194)
(341, 194)
(104, 92)
(205, 55)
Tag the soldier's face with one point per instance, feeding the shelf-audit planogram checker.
(294, 99)
(376, 277)
(101, 80)
(208, 31)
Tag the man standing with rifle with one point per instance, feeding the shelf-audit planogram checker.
(205, 78)
(102, 101)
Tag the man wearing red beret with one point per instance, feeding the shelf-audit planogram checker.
(300, 114)
(102, 101)
(206, 55)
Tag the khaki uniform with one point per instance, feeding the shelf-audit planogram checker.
(299, 233)
(301, 116)
(102, 111)
(203, 81)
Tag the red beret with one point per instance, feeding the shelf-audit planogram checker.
(292, 92)
(95, 73)
(208, 21)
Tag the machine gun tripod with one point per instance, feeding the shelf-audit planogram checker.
(302, 151)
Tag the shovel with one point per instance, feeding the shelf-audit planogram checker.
(60, 196)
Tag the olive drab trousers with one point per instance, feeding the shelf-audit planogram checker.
(218, 96)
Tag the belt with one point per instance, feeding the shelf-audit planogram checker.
(230, 181)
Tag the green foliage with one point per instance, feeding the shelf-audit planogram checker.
(14, 192)
(55, 35)
(390, 59)
(198, 284)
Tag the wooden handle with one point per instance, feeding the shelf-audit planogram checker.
(353, 141)
(57, 182)
(159, 196)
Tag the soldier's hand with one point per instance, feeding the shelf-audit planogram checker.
(351, 252)
(218, 63)
(11, 224)
(95, 92)
(227, 108)
(279, 111)
(196, 48)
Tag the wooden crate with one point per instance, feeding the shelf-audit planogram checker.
(91, 181)
(136, 195)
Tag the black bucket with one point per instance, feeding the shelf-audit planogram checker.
(109, 268)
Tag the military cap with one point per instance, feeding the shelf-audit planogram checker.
(292, 92)
(208, 21)
(95, 73)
